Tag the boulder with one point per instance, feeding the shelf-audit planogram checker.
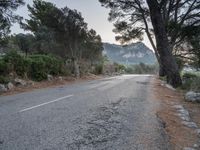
(198, 131)
(19, 82)
(49, 77)
(10, 86)
(192, 97)
(60, 78)
(188, 148)
(30, 83)
(190, 124)
(170, 87)
(2, 88)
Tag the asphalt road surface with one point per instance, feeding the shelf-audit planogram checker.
(114, 113)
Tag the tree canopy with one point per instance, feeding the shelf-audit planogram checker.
(133, 18)
(63, 29)
(7, 17)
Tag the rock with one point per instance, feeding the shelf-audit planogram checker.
(188, 148)
(184, 112)
(19, 82)
(178, 106)
(30, 83)
(196, 146)
(192, 97)
(10, 86)
(190, 124)
(49, 77)
(2, 88)
(170, 87)
(184, 117)
(60, 78)
(198, 131)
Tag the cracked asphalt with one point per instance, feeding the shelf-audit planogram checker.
(114, 113)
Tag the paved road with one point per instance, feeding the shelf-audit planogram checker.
(107, 114)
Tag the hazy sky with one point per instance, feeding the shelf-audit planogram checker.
(95, 15)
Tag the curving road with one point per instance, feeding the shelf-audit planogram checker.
(114, 113)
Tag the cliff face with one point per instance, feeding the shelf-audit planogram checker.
(130, 54)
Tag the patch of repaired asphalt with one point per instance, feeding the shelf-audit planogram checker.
(102, 128)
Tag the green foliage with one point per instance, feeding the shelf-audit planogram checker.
(17, 63)
(41, 65)
(129, 70)
(52, 63)
(191, 81)
(189, 75)
(62, 31)
(98, 69)
(7, 17)
(24, 42)
(4, 80)
(36, 67)
(119, 67)
(4, 67)
(195, 86)
(142, 69)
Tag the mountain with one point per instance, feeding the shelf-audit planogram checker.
(134, 53)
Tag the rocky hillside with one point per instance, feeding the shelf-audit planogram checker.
(129, 54)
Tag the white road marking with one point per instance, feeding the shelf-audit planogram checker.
(53, 101)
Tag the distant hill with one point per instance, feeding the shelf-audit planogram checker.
(134, 53)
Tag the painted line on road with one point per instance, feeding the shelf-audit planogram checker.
(53, 101)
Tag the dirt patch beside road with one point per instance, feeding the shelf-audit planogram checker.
(180, 135)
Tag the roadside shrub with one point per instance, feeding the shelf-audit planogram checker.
(4, 67)
(36, 67)
(38, 70)
(189, 75)
(191, 81)
(195, 86)
(119, 68)
(4, 80)
(42, 65)
(142, 69)
(54, 65)
(98, 69)
(129, 70)
(17, 63)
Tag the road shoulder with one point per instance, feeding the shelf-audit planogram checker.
(50, 84)
(171, 101)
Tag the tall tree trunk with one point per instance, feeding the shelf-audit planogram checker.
(76, 68)
(163, 47)
(162, 72)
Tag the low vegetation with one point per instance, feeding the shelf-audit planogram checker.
(35, 67)
(191, 81)
(142, 69)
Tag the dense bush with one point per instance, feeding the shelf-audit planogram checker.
(191, 81)
(129, 70)
(195, 85)
(119, 68)
(36, 67)
(98, 69)
(38, 70)
(142, 69)
(189, 75)
(4, 67)
(17, 63)
(4, 80)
